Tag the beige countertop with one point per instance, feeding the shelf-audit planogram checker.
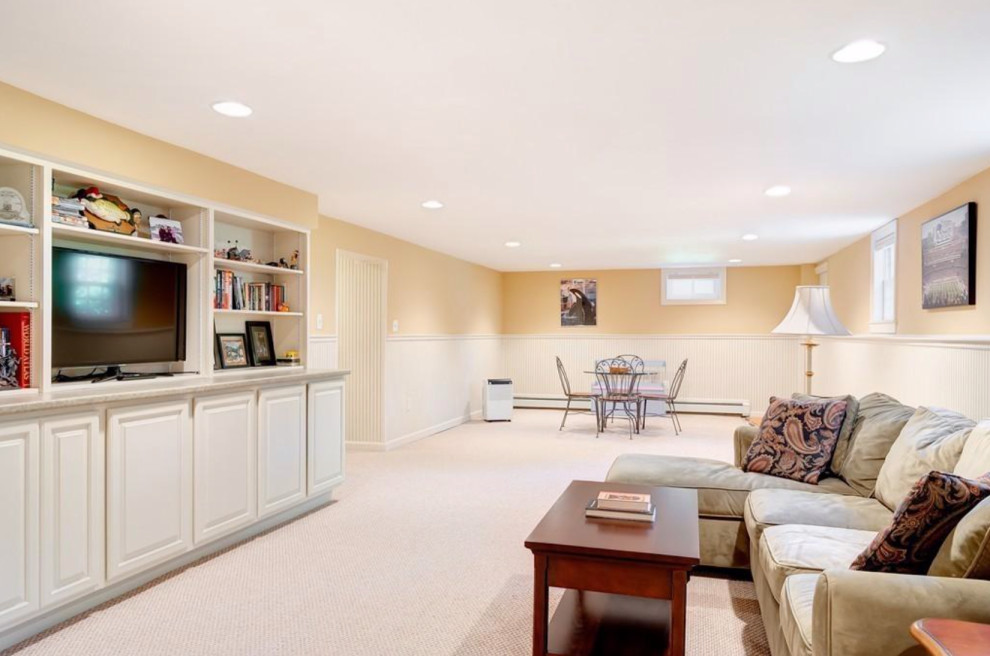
(71, 395)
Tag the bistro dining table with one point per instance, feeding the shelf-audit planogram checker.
(649, 408)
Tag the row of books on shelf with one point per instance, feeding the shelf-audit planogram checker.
(622, 505)
(15, 350)
(69, 211)
(233, 292)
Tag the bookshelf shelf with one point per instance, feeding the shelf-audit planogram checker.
(7, 229)
(125, 241)
(260, 313)
(208, 228)
(236, 265)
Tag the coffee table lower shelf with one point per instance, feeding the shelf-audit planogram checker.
(600, 624)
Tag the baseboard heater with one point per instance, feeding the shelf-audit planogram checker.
(738, 407)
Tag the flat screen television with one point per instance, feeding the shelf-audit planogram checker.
(112, 310)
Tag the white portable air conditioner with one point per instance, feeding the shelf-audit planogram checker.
(496, 401)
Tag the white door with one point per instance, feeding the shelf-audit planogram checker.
(72, 528)
(149, 486)
(361, 315)
(19, 512)
(225, 465)
(326, 435)
(281, 448)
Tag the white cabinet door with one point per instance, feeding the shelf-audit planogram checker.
(149, 486)
(19, 510)
(225, 465)
(281, 448)
(72, 529)
(326, 435)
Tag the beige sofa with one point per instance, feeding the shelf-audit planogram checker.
(799, 540)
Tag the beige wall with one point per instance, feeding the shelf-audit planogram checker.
(31, 123)
(428, 293)
(629, 303)
(849, 272)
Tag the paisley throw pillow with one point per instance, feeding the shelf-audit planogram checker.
(933, 507)
(797, 439)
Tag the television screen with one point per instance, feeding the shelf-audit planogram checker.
(113, 310)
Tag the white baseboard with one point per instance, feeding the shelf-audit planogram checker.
(689, 406)
(414, 436)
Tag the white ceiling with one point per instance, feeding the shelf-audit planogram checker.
(600, 133)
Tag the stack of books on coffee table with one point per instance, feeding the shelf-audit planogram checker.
(622, 505)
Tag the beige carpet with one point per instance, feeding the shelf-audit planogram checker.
(422, 555)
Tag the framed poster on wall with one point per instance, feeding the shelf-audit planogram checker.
(948, 259)
(579, 302)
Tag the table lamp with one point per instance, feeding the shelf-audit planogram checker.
(811, 314)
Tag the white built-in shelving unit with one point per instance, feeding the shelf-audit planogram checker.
(207, 227)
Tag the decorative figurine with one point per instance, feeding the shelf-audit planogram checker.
(283, 307)
(294, 262)
(106, 212)
(282, 264)
(9, 362)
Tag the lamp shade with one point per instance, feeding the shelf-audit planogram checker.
(811, 314)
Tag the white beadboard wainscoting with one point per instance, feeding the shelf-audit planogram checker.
(945, 371)
(723, 370)
(434, 382)
(323, 351)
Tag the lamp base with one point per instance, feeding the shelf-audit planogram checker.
(809, 344)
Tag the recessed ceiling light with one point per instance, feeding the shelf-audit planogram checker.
(232, 108)
(777, 191)
(555, 265)
(750, 237)
(432, 204)
(735, 260)
(858, 51)
(513, 244)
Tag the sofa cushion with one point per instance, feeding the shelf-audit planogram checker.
(796, 617)
(932, 440)
(770, 507)
(797, 439)
(879, 421)
(842, 445)
(795, 549)
(722, 488)
(966, 552)
(974, 461)
(932, 508)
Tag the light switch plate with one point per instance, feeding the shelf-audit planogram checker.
(395, 325)
(319, 322)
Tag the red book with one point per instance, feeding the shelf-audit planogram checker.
(19, 325)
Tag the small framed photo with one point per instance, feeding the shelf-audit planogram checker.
(166, 230)
(7, 289)
(260, 343)
(233, 350)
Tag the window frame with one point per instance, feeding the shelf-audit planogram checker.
(698, 272)
(882, 238)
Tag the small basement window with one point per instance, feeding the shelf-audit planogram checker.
(693, 286)
(883, 292)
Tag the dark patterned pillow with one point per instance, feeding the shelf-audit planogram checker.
(797, 439)
(933, 507)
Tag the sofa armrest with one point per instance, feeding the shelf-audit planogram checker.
(742, 438)
(865, 613)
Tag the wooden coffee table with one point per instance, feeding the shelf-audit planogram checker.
(942, 637)
(626, 581)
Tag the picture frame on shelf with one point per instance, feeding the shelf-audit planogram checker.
(233, 350)
(7, 289)
(261, 346)
(166, 230)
